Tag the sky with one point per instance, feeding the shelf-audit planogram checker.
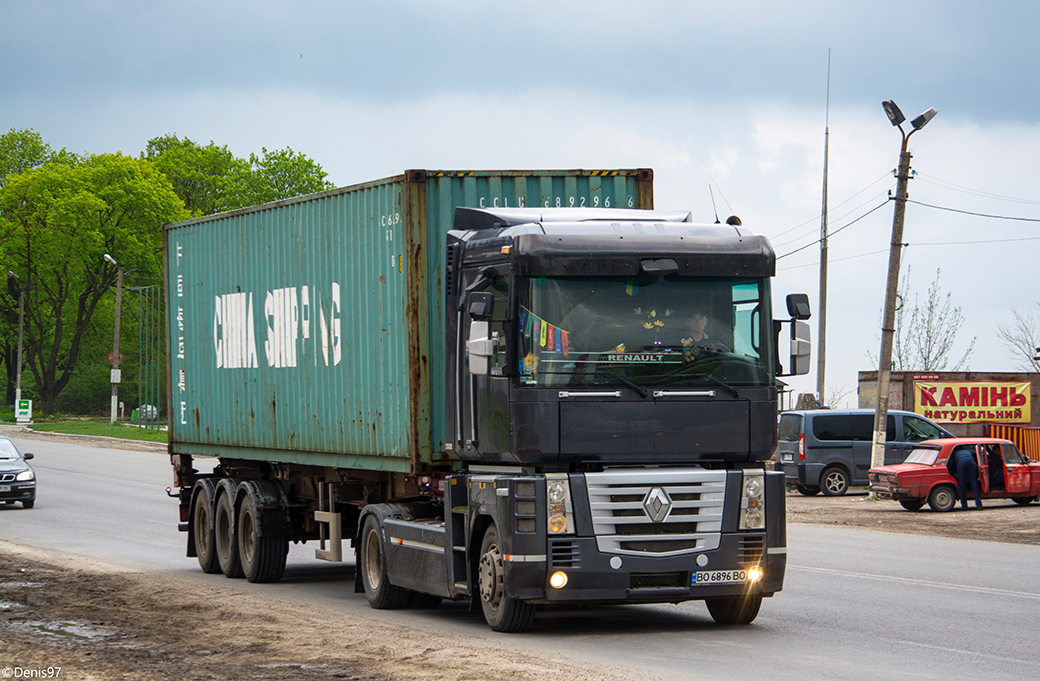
(731, 96)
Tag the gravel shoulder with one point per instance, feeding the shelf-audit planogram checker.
(96, 621)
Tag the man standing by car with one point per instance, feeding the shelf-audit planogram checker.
(963, 466)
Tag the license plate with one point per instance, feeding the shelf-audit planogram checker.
(5, 488)
(719, 577)
(787, 458)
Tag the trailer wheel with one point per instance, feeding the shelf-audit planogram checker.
(381, 594)
(226, 537)
(202, 528)
(734, 609)
(263, 558)
(502, 612)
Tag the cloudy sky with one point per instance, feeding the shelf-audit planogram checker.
(731, 95)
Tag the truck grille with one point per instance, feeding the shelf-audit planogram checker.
(657, 511)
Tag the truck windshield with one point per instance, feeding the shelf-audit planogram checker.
(665, 331)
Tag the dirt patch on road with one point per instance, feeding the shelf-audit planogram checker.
(1000, 520)
(99, 625)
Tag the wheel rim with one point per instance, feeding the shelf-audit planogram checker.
(202, 527)
(247, 537)
(491, 577)
(944, 498)
(835, 482)
(373, 567)
(223, 530)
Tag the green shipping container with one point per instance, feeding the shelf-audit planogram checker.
(311, 330)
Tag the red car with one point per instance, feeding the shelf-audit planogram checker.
(1004, 472)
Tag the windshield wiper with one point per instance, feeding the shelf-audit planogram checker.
(640, 390)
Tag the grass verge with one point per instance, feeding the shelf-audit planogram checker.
(101, 427)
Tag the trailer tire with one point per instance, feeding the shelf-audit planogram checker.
(262, 557)
(226, 536)
(734, 609)
(381, 594)
(202, 530)
(502, 612)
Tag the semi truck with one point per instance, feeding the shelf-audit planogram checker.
(513, 388)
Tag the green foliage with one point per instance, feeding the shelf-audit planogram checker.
(21, 150)
(56, 223)
(209, 179)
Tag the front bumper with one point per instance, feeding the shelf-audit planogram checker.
(594, 576)
(18, 491)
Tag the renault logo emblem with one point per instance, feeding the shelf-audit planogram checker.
(657, 504)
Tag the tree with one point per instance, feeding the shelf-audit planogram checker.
(924, 337)
(210, 179)
(56, 223)
(1021, 338)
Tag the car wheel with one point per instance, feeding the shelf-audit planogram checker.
(1023, 501)
(834, 482)
(807, 491)
(942, 498)
(28, 503)
(911, 504)
(734, 609)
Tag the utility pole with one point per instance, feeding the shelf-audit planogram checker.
(115, 342)
(821, 355)
(877, 453)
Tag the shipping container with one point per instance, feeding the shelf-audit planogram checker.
(310, 330)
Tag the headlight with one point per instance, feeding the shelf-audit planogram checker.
(25, 475)
(753, 501)
(560, 513)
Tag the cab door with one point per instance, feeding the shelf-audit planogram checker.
(1016, 470)
(980, 456)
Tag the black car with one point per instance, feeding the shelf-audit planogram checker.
(17, 478)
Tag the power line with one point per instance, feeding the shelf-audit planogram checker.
(817, 218)
(968, 212)
(969, 190)
(875, 208)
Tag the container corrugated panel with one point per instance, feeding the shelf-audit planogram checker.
(311, 330)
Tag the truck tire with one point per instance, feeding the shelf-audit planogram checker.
(263, 558)
(226, 536)
(942, 498)
(502, 612)
(734, 609)
(834, 482)
(381, 594)
(202, 530)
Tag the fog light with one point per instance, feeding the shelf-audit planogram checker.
(558, 580)
(755, 573)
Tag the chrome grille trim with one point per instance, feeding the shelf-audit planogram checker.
(622, 526)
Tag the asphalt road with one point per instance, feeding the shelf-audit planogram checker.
(856, 604)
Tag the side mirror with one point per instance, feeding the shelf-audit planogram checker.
(27, 455)
(798, 306)
(481, 305)
(801, 348)
(479, 347)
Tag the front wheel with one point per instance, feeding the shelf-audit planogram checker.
(1023, 501)
(942, 499)
(911, 504)
(28, 503)
(502, 612)
(834, 482)
(807, 491)
(381, 594)
(734, 609)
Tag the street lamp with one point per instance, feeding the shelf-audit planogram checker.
(115, 342)
(11, 279)
(877, 453)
